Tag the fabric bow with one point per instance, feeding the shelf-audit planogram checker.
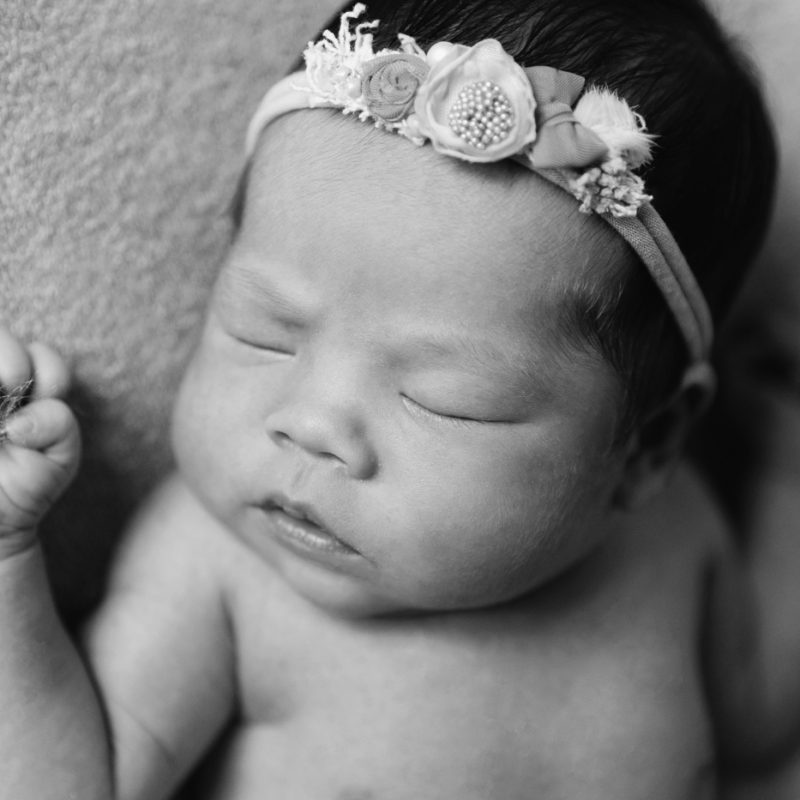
(561, 141)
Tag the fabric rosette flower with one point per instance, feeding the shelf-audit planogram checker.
(477, 103)
(389, 85)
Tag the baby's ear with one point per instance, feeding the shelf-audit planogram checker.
(654, 449)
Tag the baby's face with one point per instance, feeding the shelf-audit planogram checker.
(382, 405)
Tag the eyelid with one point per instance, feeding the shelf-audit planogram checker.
(254, 344)
(452, 419)
(240, 296)
(231, 326)
(263, 347)
(271, 349)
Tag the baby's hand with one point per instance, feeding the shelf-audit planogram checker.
(39, 439)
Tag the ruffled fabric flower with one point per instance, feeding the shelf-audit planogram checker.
(389, 85)
(476, 104)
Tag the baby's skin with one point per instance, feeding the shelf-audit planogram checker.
(405, 554)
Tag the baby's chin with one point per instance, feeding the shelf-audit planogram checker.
(356, 600)
(353, 602)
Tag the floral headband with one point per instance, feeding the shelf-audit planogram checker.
(477, 104)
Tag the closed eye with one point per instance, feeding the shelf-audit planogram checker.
(253, 326)
(267, 347)
(454, 419)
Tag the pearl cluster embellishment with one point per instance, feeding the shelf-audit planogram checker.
(481, 115)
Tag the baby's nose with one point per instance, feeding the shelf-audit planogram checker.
(326, 430)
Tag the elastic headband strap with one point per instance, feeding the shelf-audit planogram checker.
(646, 233)
(650, 239)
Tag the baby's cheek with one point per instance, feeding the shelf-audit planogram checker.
(193, 419)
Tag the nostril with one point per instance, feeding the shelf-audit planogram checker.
(330, 456)
(280, 437)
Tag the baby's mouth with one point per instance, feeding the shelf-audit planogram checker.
(298, 525)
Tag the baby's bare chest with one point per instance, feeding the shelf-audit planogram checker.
(410, 709)
(470, 706)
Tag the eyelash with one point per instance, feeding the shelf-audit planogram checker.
(450, 419)
(263, 347)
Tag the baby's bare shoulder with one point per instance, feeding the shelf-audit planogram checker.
(173, 546)
(653, 581)
(629, 647)
(657, 556)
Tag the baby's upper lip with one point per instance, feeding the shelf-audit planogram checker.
(297, 510)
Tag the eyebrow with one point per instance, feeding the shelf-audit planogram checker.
(263, 290)
(481, 352)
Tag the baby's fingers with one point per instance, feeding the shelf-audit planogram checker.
(38, 458)
(48, 426)
(16, 368)
(51, 377)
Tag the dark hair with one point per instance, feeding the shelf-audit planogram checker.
(713, 170)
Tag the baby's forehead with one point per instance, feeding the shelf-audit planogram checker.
(422, 199)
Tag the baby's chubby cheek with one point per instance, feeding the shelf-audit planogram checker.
(482, 541)
(196, 423)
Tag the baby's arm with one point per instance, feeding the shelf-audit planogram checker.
(161, 645)
(52, 735)
(156, 687)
